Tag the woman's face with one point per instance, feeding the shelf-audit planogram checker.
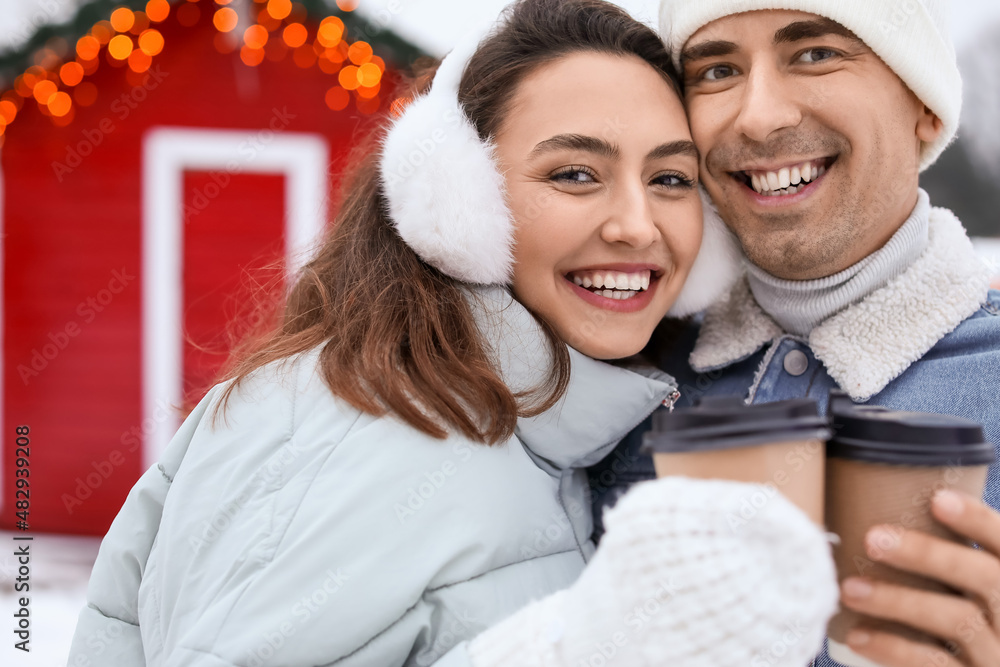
(602, 182)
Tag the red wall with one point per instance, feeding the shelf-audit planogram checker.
(71, 265)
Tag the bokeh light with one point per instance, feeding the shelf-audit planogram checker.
(139, 61)
(122, 20)
(102, 31)
(87, 47)
(369, 75)
(251, 56)
(43, 90)
(151, 42)
(279, 9)
(337, 98)
(157, 10)
(348, 77)
(255, 37)
(60, 104)
(225, 19)
(71, 73)
(360, 53)
(120, 47)
(295, 35)
(331, 31)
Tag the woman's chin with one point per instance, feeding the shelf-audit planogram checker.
(605, 350)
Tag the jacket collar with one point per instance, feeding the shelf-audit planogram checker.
(602, 402)
(871, 343)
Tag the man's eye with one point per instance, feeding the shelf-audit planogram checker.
(816, 55)
(717, 72)
(575, 175)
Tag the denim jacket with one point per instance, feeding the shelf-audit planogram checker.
(928, 341)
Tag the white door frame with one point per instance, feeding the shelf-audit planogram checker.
(167, 152)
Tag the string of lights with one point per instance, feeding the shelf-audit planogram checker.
(259, 30)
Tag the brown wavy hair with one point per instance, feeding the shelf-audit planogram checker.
(397, 335)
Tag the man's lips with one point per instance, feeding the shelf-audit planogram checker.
(786, 180)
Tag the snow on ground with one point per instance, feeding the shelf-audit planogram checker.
(59, 570)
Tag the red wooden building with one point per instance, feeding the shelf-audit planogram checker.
(136, 192)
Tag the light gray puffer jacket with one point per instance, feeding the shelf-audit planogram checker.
(299, 532)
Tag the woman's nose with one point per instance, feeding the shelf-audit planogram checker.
(630, 220)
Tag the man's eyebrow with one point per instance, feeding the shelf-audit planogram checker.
(821, 27)
(712, 49)
(679, 147)
(578, 142)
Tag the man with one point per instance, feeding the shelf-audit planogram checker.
(814, 119)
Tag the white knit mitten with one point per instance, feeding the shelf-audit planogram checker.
(690, 573)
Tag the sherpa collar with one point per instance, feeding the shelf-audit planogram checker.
(869, 344)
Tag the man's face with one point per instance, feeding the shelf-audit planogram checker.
(779, 98)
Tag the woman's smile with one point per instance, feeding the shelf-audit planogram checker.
(623, 288)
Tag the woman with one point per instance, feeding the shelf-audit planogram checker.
(398, 469)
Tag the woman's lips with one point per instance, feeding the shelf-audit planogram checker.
(630, 305)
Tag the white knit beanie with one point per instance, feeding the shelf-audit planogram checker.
(911, 36)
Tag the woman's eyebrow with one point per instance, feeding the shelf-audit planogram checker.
(579, 142)
(679, 147)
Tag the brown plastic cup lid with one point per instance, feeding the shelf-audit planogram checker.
(726, 422)
(881, 435)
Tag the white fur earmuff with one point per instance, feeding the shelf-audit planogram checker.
(447, 197)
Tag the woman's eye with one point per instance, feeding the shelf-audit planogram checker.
(816, 55)
(718, 72)
(673, 181)
(574, 176)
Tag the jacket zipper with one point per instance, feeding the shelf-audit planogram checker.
(671, 400)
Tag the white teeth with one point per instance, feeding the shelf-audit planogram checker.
(627, 284)
(608, 294)
(784, 180)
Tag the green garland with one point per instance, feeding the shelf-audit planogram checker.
(395, 50)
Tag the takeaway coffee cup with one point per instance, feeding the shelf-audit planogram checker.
(883, 467)
(780, 445)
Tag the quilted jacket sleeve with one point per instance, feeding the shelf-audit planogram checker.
(107, 632)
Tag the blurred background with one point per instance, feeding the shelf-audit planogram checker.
(156, 159)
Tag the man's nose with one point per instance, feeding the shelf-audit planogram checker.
(630, 219)
(770, 103)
